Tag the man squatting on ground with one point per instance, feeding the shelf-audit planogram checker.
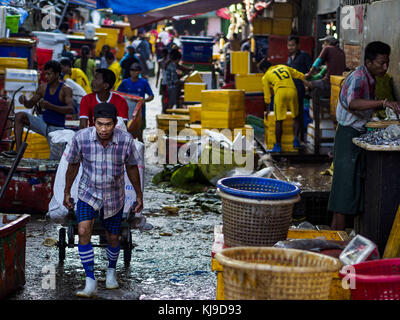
(103, 151)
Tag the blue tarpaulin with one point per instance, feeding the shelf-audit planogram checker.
(136, 7)
(91, 4)
(161, 11)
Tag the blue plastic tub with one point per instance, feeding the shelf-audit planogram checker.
(197, 50)
(258, 188)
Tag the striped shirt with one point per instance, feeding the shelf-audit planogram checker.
(358, 85)
(102, 183)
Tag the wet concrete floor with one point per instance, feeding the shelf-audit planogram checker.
(172, 261)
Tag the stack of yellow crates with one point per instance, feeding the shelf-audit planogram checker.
(222, 109)
(283, 16)
(38, 148)
(244, 80)
(336, 83)
(287, 132)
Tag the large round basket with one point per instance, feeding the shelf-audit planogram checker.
(250, 222)
(265, 273)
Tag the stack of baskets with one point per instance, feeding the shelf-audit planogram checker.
(257, 213)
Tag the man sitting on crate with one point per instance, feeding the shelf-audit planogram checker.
(55, 100)
(104, 151)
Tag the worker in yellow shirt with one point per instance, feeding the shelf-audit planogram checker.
(75, 74)
(115, 67)
(279, 79)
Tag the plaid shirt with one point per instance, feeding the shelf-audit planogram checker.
(172, 75)
(102, 183)
(358, 85)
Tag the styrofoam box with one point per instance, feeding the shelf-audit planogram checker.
(207, 78)
(51, 40)
(21, 75)
(17, 104)
(15, 85)
(325, 133)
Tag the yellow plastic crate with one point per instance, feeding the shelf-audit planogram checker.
(121, 51)
(163, 121)
(249, 82)
(282, 27)
(336, 83)
(178, 111)
(222, 100)
(13, 63)
(240, 62)
(192, 91)
(194, 77)
(270, 121)
(262, 26)
(283, 10)
(112, 36)
(336, 80)
(247, 130)
(38, 146)
(223, 119)
(101, 41)
(313, 234)
(195, 113)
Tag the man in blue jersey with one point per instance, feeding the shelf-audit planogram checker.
(55, 100)
(138, 87)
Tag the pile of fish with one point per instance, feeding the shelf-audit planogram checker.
(389, 136)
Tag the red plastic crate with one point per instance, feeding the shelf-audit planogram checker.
(375, 280)
(255, 105)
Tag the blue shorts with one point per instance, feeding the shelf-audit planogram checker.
(86, 212)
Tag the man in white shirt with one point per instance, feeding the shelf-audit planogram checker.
(164, 36)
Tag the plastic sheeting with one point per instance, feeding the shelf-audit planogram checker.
(150, 11)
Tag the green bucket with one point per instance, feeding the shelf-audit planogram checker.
(12, 23)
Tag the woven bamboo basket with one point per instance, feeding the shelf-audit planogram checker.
(265, 273)
(250, 222)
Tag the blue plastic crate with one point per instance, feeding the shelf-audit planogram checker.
(197, 50)
(258, 188)
(16, 51)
